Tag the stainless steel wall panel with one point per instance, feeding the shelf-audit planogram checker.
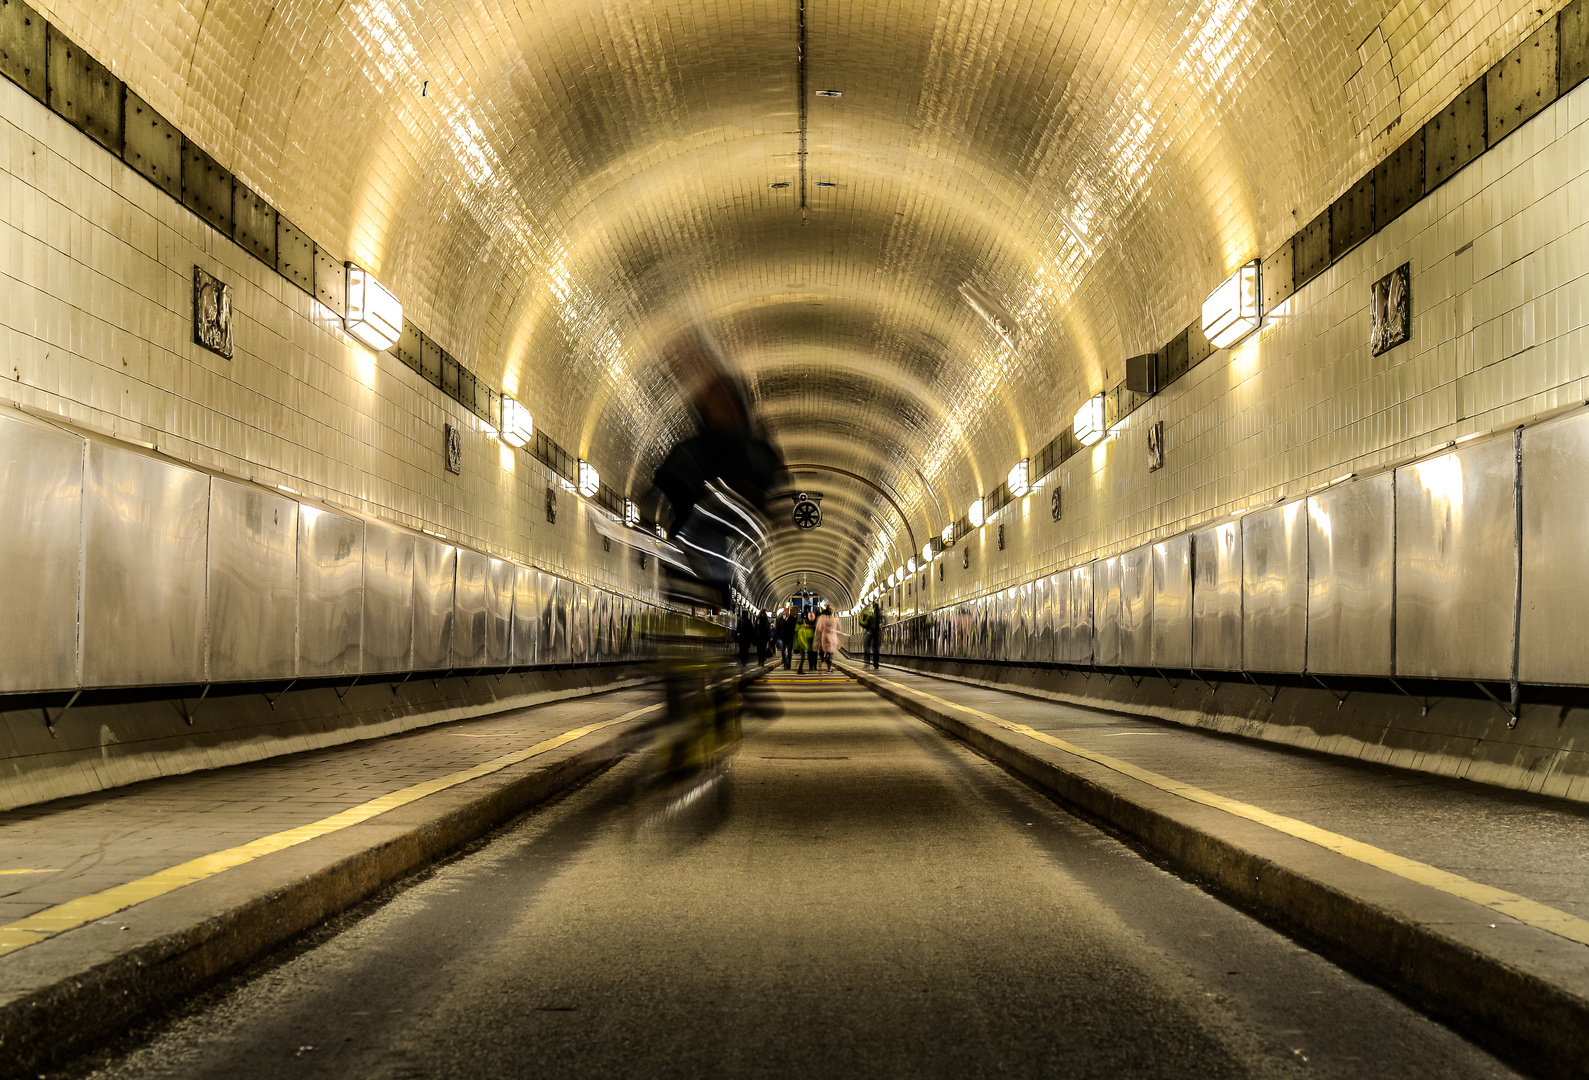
(388, 599)
(1554, 638)
(526, 617)
(1059, 597)
(579, 623)
(1216, 597)
(330, 593)
(1106, 611)
(145, 527)
(41, 504)
(1042, 648)
(554, 621)
(469, 610)
(1083, 595)
(1025, 644)
(1136, 607)
(253, 584)
(1171, 633)
(435, 577)
(499, 613)
(1455, 574)
(1274, 574)
(1351, 577)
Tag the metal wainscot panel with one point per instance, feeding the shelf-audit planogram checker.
(330, 594)
(388, 599)
(1059, 586)
(41, 503)
(526, 617)
(1106, 611)
(1082, 595)
(1274, 574)
(499, 613)
(1554, 638)
(555, 594)
(145, 523)
(579, 624)
(1216, 597)
(1351, 577)
(1042, 647)
(435, 575)
(253, 593)
(1136, 607)
(469, 606)
(1172, 602)
(1456, 542)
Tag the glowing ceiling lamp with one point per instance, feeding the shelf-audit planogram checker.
(974, 514)
(517, 425)
(1018, 480)
(926, 552)
(631, 513)
(589, 479)
(1088, 425)
(948, 534)
(910, 565)
(374, 315)
(1231, 311)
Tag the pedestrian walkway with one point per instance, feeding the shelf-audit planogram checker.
(1471, 898)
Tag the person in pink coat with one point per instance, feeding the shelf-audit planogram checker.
(827, 635)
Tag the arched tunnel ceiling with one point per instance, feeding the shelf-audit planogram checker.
(558, 190)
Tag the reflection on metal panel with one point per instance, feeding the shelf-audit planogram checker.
(469, 606)
(1275, 589)
(145, 523)
(1025, 646)
(1554, 638)
(388, 599)
(1172, 602)
(1455, 542)
(1083, 594)
(1216, 598)
(1059, 599)
(1136, 607)
(253, 588)
(554, 621)
(41, 504)
(1351, 577)
(330, 593)
(435, 570)
(526, 618)
(499, 613)
(601, 625)
(1042, 620)
(579, 624)
(1106, 610)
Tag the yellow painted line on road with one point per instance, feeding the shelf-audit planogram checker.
(54, 870)
(86, 909)
(1511, 904)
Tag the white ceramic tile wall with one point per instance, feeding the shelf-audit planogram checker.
(96, 270)
(1499, 257)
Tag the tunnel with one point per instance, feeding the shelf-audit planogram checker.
(794, 538)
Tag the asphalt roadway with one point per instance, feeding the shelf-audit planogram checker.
(857, 896)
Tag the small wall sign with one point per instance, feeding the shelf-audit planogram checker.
(212, 313)
(1156, 446)
(1390, 310)
(454, 449)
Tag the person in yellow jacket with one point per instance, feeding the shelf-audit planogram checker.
(804, 634)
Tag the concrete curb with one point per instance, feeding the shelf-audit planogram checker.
(1520, 990)
(71, 992)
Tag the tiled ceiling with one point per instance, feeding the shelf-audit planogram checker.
(561, 190)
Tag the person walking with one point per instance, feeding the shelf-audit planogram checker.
(747, 630)
(763, 632)
(872, 625)
(827, 636)
(803, 635)
(786, 633)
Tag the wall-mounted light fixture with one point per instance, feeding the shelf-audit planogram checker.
(517, 425)
(1088, 424)
(1231, 311)
(948, 534)
(926, 552)
(1018, 480)
(374, 315)
(631, 513)
(910, 566)
(974, 514)
(589, 479)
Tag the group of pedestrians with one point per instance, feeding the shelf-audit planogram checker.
(813, 635)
